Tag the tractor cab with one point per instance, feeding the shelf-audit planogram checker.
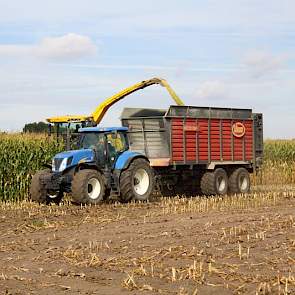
(107, 143)
(96, 146)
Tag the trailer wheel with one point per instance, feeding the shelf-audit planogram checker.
(137, 182)
(88, 187)
(38, 192)
(215, 182)
(239, 181)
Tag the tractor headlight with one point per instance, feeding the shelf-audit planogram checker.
(53, 165)
(63, 165)
(60, 164)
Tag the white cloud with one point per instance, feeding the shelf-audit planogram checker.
(67, 47)
(262, 63)
(212, 90)
(14, 50)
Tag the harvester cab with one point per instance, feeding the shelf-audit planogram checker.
(67, 127)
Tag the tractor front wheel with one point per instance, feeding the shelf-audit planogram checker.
(88, 187)
(39, 193)
(137, 181)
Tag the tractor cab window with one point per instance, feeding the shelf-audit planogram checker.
(92, 140)
(95, 141)
(116, 144)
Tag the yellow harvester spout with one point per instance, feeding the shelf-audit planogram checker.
(100, 111)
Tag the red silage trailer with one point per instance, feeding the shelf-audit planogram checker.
(198, 149)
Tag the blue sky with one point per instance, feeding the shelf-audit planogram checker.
(65, 57)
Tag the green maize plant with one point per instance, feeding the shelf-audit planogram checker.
(279, 163)
(279, 151)
(20, 157)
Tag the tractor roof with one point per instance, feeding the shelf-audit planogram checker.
(102, 129)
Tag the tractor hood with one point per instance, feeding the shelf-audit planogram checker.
(68, 159)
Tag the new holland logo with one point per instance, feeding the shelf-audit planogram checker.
(238, 129)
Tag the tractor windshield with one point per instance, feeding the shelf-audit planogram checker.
(92, 140)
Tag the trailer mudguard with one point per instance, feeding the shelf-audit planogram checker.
(125, 159)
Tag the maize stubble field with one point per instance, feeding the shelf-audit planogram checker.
(201, 245)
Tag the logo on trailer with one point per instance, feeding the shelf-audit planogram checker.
(238, 129)
(191, 126)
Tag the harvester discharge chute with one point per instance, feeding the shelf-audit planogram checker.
(64, 124)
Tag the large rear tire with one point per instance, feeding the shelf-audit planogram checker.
(215, 182)
(38, 191)
(137, 181)
(239, 181)
(88, 187)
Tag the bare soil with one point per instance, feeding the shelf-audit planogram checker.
(230, 245)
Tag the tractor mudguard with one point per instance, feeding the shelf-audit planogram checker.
(126, 158)
(86, 165)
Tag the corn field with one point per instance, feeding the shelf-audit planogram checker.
(279, 163)
(279, 151)
(22, 155)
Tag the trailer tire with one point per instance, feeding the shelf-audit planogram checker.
(39, 194)
(215, 182)
(239, 181)
(137, 181)
(88, 187)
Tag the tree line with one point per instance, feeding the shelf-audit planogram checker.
(35, 127)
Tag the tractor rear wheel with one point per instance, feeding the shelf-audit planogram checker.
(38, 191)
(215, 182)
(88, 187)
(137, 181)
(239, 181)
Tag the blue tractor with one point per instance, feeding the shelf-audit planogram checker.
(102, 167)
